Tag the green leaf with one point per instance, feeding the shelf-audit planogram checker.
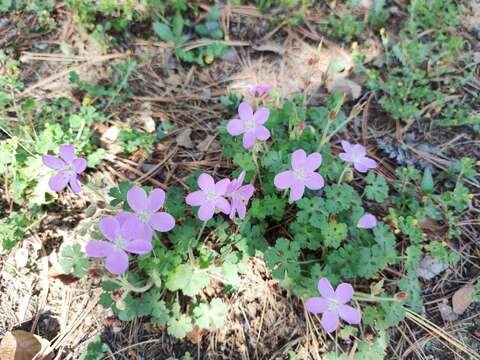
(211, 316)
(427, 184)
(74, 261)
(333, 233)
(95, 350)
(188, 279)
(376, 350)
(163, 31)
(178, 23)
(377, 188)
(179, 324)
(283, 258)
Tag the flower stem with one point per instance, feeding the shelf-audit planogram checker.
(257, 172)
(190, 250)
(371, 298)
(344, 171)
(122, 281)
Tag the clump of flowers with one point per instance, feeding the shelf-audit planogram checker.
(250, 124)
(356, 154)
(367, 221)
(240, 195)
(302, 175)
(210, 197)
(147, 210)
(68, 167)
(124, 234)
(332, 304)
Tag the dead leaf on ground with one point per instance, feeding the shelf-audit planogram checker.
(462, 298)
(348, 87)
(205, 143)
(270, 46)
(22, 345)
(195, 336)
(446, 311)
(430, 267)
(183, 138)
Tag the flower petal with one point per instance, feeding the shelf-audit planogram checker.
(350, 314)
(325, 289)
(75, 184)
(347, 147)
(206, 182)
(206, 211)
(368, 163)
(221, 186)
(296, 190)
(344, 293)
(67, 153)
(358, 150)
(241, 177)
(347, 157)
(117, 262)
(261, 115)
(314, 181)
(79, 164)
(109, 227)
(367, 221)
(245, 111)
(138, 247)
(241, 209)
(195, 198)
(284, 180)
(314, 160)
(123, 216)
(316, 305)
(249, 139)
(155, 200)
(222, 204)
(162, 221)
(59, 181)
(98, 248)
(137, 199)
(360, 167)
(132, 229)
(299, 157)
(330, 321)
(246, 191)
(53, 162)
(235, 127)
(262, 133)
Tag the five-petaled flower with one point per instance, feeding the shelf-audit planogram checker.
(209, 197)
(68, 167)
(239, 195)
(250, 125)
(302, 174)
(367, 221)
(356, 154)
(259, 90)
(124, 234)
(332, 305)
(146, 210)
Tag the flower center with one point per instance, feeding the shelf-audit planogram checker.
(333, 305)
(356, 157)
(300, 174)
(144, 216)
(119, 242)
(250, 125)
(211, 196)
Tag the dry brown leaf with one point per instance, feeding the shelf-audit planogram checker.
(462, 298)
(348, 87)
(195, 336)
(270, 46)
(22, 345)
(183, 138)
(446, 311)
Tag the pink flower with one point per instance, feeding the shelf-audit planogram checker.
(146, 210)
(356, 154)
(123, 234)
(259, 90)
(302, 174)
(68, 167)
(209, 197)
(239, 195)
(250, 125)
(367, 221)
(332, 305)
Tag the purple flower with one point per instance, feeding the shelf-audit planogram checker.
(239, 195)
(124, 235)
(259, 90)
(68, 167)
(332, 304)
(367, 221)
(356, 154)
(302, 174)
(146, 210)
(250, 125)
(209, 197)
